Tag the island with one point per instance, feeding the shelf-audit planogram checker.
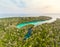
(44, 35)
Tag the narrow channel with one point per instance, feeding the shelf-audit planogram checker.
(28, 34)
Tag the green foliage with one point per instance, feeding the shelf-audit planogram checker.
(45, 35)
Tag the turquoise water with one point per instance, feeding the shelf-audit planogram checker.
(27, 23)
(28, 34)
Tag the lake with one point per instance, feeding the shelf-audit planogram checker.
(28, 23)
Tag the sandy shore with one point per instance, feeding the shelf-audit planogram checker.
(54, 18)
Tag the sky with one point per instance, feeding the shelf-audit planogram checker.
(29, 6)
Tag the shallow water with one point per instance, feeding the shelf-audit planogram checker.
(27, 23)
(28, 34)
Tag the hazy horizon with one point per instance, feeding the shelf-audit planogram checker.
(28, 15)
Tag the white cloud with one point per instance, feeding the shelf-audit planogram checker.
(29, 6)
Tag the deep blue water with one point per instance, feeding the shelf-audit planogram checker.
(28, 34)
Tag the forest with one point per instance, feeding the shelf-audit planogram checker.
(45, 35)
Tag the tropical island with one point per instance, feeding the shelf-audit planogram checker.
(44, 35)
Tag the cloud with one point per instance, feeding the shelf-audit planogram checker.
(29, 6)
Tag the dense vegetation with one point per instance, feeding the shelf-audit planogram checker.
(45, 35)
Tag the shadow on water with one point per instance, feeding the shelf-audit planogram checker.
(28, 34)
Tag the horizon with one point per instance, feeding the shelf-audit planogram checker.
(29, 15)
